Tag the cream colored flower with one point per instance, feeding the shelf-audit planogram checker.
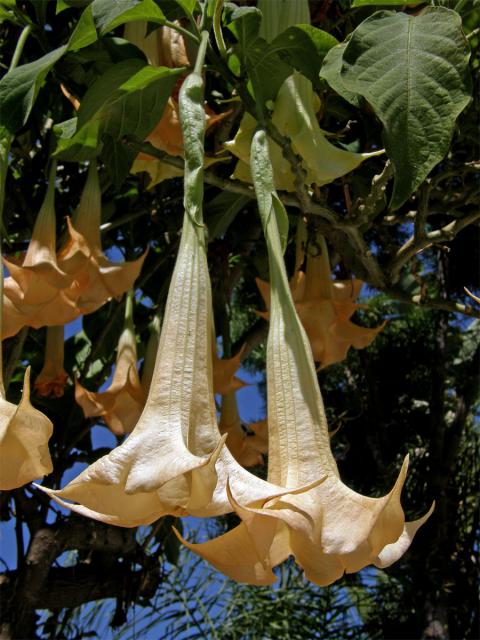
(52, 378)
(121, 405)
(294, 116)
(329, 528)
(325, 307)
(82, 258)
(24, 436)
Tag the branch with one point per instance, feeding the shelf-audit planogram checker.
(420, 240)
(431, 303)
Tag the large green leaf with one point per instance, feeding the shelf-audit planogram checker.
(413, 70)
(244, 23)
(107, 14)
(19, 89)
(77, 145)
(128, 99)
(331, 72)
(303, 47)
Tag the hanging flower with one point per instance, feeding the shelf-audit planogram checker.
(166, 47)
(82, 258)
(325, 307)
(245, 446)
(294, 116)
(38, 292)
(326, 526)
(121, 405)
(24, 436)
(52, 378)
(224, 379)
(174, 461)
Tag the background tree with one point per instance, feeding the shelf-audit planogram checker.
(415, 389)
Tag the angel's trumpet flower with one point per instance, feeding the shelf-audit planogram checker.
(294, 116)
(246, 448)
(38, 292)
(121, 405)
(325, 307)
(327, 527)
(52, 378)
(174, 462)
(165, 47)
(82, 256)
(224, 379)
(24, 435)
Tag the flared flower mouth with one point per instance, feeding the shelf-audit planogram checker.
(24, 436)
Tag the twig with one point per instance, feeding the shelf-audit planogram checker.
(420, 241)
(431, 303)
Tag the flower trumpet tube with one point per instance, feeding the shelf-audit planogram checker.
(38, 291)
(328, 528)
(121, 405)
(325, 307)
(82, 257)
(52, 378)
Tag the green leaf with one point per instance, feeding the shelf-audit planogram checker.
(84, 33)
(19, 89)
(117, 159)
(331, 72)
(266, 70)
(303, 47)
(189, 7)
(107, 14)
(413, 70)
(76, 146)
(128, 99)
(244, 23)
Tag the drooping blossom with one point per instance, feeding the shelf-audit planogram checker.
(121, 405)
(174, 461)
(52, 378)
(24, 434)
(38, 292)
(328, 528)
(82, 257)
(294, 116)
(325, 307)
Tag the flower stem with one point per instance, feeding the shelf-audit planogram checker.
(201, 53)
